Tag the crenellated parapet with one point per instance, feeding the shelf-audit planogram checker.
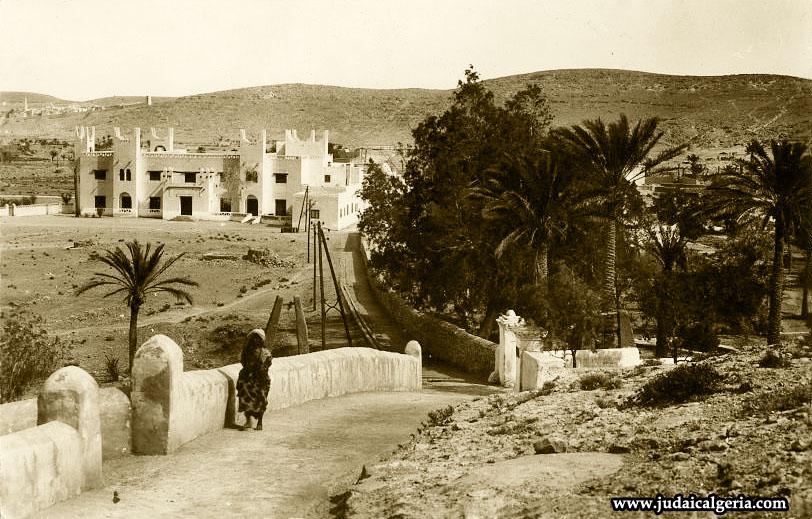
(162, 143)
(85, 139)
(311, 147)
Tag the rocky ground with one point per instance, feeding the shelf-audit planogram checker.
(564, 451)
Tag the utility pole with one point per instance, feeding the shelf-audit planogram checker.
(314, 266)
(321, 292)
(340, 302)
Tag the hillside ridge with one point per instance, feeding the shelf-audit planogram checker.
(704, 110)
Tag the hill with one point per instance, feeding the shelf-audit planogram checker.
(33, 98)
(708, 110)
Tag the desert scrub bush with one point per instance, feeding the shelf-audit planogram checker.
(440, 416)
(111, 367)
(27, 354)
(678, 385)
(773, 360)
(228, 336)
(521, 425)
(779, 400)
(605, 402)
(593, 381)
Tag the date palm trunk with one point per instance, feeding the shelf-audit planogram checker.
(609, 288)
(776, 287)
(133, 335)
(609, 276)
(76, 208)
(542, 263)
(807, 282)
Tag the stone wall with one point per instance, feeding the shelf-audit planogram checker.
(60, 457)
(171, 407)
(538, 367)
(341, 371)
(114, 412)
(438, 338)
(16, 416)
(36, 209)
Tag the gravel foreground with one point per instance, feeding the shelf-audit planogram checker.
(479, 459)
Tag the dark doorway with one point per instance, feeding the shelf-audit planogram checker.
(186, 205)
(252, 206)
(281, 207)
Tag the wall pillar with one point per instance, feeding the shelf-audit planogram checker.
(156, 378)
(413, 348)
(70, 395)
(505, 357)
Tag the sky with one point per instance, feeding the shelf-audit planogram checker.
(86, 49)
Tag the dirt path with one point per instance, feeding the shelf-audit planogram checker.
(305, 455)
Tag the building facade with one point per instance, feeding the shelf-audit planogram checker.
(151, 178)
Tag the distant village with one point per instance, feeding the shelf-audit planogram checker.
(16, 112)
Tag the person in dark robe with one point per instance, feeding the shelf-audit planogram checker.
(254, 381)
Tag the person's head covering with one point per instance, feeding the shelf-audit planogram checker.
(256, 335)
(254, 343)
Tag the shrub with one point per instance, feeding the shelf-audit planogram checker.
(228, 336)
(111, 366)
(594, 381)
(27, 354)
(779, 400)
(773, 360)
(699, 337)
(678, 385)
(440, 416)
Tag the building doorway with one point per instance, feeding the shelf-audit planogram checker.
(186, 205)
(252, 205)
(280, 208)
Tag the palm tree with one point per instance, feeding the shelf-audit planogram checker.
(613, 157)
(137, 276)
(776, 187)
(528, 198)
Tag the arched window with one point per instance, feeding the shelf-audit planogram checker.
(126, 201)
(129, 174)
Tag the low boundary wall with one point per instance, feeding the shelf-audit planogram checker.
(341, 371)
(438, 338)
(171, 407)
(37, 209)
(114, 412)
(59, 458)
(538, 367)
(16, 416)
